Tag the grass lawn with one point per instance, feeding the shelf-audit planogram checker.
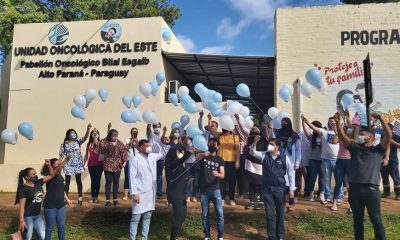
(305, 225)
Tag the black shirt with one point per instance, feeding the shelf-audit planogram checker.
(365, 164)
(176, 175)
(34, 198)
(207, 182)
(55, 193)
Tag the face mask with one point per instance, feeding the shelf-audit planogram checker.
(72, 136)
(134, 134)
(149, 149)
(224, 131)
(189, 141)
(361, 140)
(176, 135)
(180, 155)
(114, 138)
(157, 130)
(318, 141)
(34, 179)
(270, 148)
(212, 149)
(330, 125)
(349, 131)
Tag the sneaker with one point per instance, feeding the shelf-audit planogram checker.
(125, 198)
(259, 206)
(232, 203)
(115, 204)
(249, 206)
(92, 200)
(79, 202)
(108, 203)
(398, 197)
(220, 238)
(322, 197)
(207, 238)
(95, 200)
(311, 197)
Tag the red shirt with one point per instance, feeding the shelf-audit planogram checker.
(94, 157)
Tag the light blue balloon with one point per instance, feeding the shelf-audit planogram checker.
(243, 90)
(193, 131)
(192, 108)
(211, 94)
(175, 125)
(26, 130)
(136, 100)
(360, 108)
(216, 112)
(276, 124)
(166, 35)
(184, 120)
(127, 101)
(203, 93)
(198, 87)
(347, 100)
(173, 98)
(154, 87)
(217, 97)
(284, 94)
(103, 94)
(200, 143)
(128, 117)
(314, 78)
(185, 99)
(212, 106)
(78, 112)
(160, 77)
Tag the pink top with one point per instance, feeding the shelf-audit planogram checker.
(94, 157)
(343, 153)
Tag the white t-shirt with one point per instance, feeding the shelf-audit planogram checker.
(305, 148)
(155, 142)
(329, 150)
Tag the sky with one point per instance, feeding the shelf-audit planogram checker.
(232, 27)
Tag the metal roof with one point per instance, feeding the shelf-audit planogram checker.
(223, 73)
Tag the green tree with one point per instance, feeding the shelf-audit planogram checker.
(37, 11)
(367, 1)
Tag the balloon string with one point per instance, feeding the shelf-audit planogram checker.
(257, 105)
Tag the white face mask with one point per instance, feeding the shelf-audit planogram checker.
(270, 148)
(176, 135)
(180, 155)
(361, 140)
(157, 130)
(189, 141)
(149, 149)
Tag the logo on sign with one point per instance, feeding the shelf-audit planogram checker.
(58, 34)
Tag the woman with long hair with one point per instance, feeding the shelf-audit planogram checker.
(56, 197)
(72, 145)
(29, 196)
(95, 165)
(115, 157)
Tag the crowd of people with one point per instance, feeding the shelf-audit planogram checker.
(266, 165)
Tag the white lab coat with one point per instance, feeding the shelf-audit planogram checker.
(143, 180)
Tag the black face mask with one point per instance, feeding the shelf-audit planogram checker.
(134, 134)
(34, 179)
(224, 131)
(212, 149)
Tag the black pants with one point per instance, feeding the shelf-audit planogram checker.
(179, 216)
(126, 180)
(112, 178)
(95, 178)
(243, 184)
(361, 196)
(230, 179)
(274, 201)
(392, 170)
(254, 191)
(78, 178)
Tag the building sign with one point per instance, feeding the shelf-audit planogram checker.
(375, 37)
(110, 33)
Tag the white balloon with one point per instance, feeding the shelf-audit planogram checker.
(227, 123)
(244, 111)
(273, 112)
(150, 117)
(9, 136)
(80, 101)
(248, 122)
(282, 115)
(137, 113)
(90, 94)
(145, 89)
(233, 107)
(305, 89)
(182, 91)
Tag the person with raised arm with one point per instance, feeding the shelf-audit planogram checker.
(364, 177)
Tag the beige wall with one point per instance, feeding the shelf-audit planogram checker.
(46, 103)
(312, 35)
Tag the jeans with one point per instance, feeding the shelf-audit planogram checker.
(314, 171)
(112, 178)
(145, 225)
(179, 216)
(55, 216)
(361, 196)
(274, 201)
(160, 166)
(243, 184)
(230, 179)
(300, 174)
(342, 169)
(95, 178)
(192, 187)
(78, 178)
(126, 179)
(392, 169)
(328, 167)
(37, 223)
(215, 198)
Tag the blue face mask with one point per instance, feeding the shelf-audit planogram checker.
(72, 136)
